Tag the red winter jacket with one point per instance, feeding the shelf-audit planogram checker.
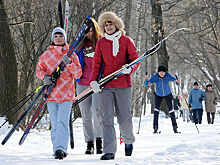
(48, 61)
(103, 53)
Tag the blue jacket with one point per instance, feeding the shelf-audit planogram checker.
(81, 59)
(162, 84)
(194, 96)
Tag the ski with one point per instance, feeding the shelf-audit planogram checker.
(65, 26)
(15, 126)
(87, 92)
(66, 19)
(71, 130)
(56, 75)
(60, 13)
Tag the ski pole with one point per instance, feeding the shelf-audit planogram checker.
(17, 110)
(60, 13)
(31, 94)
(142, 103)
(185, 100)
(40, 92)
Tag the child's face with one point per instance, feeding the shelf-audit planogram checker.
(110, 28)
(58, 39)
(161, 73)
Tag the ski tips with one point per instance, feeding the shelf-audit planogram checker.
(22, 139)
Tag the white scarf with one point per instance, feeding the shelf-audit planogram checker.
(115, 43)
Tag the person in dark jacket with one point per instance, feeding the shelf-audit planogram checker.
(162, 79)
(211, 99)
(176, 105)
(196, 97)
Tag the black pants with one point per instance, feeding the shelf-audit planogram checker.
(158, 101)
(212, 118)
(197, 115)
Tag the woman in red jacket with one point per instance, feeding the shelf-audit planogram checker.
(114, 50)
(60, 100)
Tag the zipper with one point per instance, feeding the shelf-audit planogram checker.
(162, 88)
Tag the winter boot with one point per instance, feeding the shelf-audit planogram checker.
(99, 146)
(155, 129)
(128, 149)
(108, 156)
(90, 148)
(208, 118)
(213, 118)
(175, 129)
(60, 154)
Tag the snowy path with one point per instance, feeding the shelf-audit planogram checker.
(167, 148)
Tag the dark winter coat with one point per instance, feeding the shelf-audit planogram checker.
(176, 103)
(211, 99)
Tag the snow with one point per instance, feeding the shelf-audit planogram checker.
(189, 147)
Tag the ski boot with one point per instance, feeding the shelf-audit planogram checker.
(175, 129)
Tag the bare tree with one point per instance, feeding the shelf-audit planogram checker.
(8, 65)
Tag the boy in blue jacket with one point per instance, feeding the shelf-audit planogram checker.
(162, 79)
(196, 97)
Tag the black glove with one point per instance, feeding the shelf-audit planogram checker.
(200, 99)
(190, 106)
(48, 80)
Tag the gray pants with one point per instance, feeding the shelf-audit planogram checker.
(91, 115)
(120, 100)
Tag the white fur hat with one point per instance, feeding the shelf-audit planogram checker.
(60, 30)
(110, 16)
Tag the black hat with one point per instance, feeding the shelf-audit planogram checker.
(161, 68)
(195, 83)
(209, 85)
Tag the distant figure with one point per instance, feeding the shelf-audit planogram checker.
(211, 99)
(184, 107)
(176, 105)
(196, 97)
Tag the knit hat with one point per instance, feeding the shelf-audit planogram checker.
(195, 83)
(209, 85)
(161, 68)
(58, 30)
(110, 16)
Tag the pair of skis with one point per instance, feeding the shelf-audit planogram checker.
(56, 74)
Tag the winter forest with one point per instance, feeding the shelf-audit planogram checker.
(192, 55)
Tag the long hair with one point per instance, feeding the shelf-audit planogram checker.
(96, 35)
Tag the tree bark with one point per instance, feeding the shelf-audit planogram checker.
(8, 65)
(158, 33)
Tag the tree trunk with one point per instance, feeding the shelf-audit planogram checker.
(158, 33)
(8, 65)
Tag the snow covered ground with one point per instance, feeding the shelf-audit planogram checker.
(167, 148)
